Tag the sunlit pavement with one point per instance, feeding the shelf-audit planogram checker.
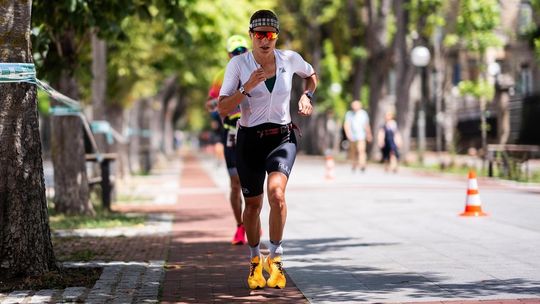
(370, 237)
(383, 237)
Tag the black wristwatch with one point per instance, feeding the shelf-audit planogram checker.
(243, 91)
(309, 94)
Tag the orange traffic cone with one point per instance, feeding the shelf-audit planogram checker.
(330, 167)
(473, 205)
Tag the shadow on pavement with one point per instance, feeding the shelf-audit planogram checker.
(331, 279)
(216, 272)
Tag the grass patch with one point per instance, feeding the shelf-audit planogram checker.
(458, 170)
(102, 219)
(63, 278)
(82, 255)
(127, 198)
(464, 170)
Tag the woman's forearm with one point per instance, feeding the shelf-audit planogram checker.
(227, 104)
(311, 83)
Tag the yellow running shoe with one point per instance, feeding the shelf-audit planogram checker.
(275, 268)
(255, 278)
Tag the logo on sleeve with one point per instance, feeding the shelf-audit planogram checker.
(283, 167)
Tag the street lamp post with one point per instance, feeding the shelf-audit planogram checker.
(420, 57)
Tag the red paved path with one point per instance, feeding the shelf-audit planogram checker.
(202, 266)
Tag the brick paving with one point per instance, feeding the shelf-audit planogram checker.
(202, 266)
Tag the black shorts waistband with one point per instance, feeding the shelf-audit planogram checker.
(268, 129)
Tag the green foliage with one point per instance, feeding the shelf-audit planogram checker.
(102, 219)
(364, 97)
(537, 48)
(43, 102)
(359, 52)
(74, 19)
(427, 14)
(536, 32)
(476, 22)
(535, 4)
(450, 40)
(330, 91)
(477, 89)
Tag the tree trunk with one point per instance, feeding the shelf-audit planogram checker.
(404, 78)
(71, 192)
(70, 178)
(359, 64)
(144, 117)
(25, 238)
(380, 51)
(133, 137)
(168, 98)
(115, 116)
(503, 118)
(502, 98)
(68, 154)
(99, 85)
(168, 127)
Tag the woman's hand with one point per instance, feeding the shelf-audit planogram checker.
(305, 108)
(256, 77)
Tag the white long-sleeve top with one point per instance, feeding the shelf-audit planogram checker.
(263, 106)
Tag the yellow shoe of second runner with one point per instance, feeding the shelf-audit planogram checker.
(275, 268)
(255, 278)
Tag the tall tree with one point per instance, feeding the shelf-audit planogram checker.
(476, 22)
(62, 41)
(415, 24)
(99, 84)
(71, 195)
(380, 48)
(25, 240)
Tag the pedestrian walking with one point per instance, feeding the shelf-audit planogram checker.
(236, 45)
(358, 133)
(266, 141)
(389, 141)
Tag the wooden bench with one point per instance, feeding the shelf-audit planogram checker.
(104, 180)
(509, 156)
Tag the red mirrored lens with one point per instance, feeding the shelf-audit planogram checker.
(268, 35)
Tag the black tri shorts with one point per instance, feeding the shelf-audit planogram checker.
(263, 149)
(229, 143)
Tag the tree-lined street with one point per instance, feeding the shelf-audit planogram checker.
(105, 93)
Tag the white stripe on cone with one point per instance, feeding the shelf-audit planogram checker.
(473, 184)
(473, 200)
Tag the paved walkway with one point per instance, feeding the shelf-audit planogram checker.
(202, 265)
(398, 244)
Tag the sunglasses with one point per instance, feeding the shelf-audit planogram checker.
(268, 35)
(238, 51)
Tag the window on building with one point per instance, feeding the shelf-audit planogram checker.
(525, 79)
(525, 19)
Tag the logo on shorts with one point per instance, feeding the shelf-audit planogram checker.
(284, 167)
(245, 190)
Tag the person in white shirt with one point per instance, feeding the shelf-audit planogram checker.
(260, 82)
(358, 133)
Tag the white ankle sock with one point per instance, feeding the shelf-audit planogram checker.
(255, 251)
(275, 249)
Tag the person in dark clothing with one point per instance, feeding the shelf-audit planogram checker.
(389, 141)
